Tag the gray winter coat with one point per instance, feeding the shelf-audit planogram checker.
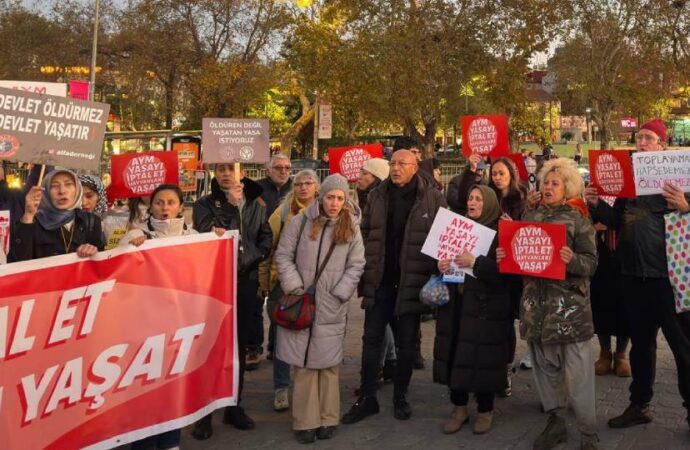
(320, 347)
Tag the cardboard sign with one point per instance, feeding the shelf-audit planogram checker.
(485, 135)
(655, 169)
(138, 174)
(611, 173)
(44, 129)
(235, 140)
(4, 236)
(348, 161)
(532, 248)
(117, 347)
(37, 87)
(519, 162)
(451, 234)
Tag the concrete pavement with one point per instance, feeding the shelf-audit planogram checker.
(517, 419)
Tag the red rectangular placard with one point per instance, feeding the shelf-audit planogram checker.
(347, 161)
(611, 172)
(138, 174)
(532, 248)
(485, 135)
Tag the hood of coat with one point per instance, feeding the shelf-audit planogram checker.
(252, 190)
(312, 211)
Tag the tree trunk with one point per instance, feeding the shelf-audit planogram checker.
(291, 134)
(426, 140)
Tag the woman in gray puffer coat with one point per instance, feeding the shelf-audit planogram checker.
(316, 352)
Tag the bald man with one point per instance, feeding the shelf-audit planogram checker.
(395, 223)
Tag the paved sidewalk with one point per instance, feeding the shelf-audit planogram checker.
(517, 420)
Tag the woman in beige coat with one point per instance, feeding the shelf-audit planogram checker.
(316, 352)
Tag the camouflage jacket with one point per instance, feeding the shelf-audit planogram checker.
(559, 312)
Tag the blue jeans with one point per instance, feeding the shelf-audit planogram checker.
(281, 374)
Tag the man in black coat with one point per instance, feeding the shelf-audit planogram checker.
(395, 223)
(237, 206)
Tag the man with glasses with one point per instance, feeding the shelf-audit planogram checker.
(395, 223)
(649, 300)
(276, 185)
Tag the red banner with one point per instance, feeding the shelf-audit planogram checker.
(138, 174)
(485, 135)
(519, 162)
(79, 89)
(105, 351)
(347, 161)
(532, 248)
(611, 172)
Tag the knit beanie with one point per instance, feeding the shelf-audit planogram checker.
(657, 126)
(332, 182)
(378, 167)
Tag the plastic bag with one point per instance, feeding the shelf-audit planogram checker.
(434, 292)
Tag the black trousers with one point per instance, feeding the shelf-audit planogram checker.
(485, 400)
(255, 336)
(246, 298)
(649, 306)
(406, 331)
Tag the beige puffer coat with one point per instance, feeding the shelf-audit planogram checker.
(321, 346)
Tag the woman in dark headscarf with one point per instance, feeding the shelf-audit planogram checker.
(473, 339)
(93, 199)
(53, 223)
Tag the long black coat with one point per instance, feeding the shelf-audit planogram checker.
(472, 345)
(415, 267)
(32, 241)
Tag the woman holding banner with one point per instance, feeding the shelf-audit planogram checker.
(53, 223)
(556, 317)
(305, 188)
(473, 331)
(165, 220)
(324, 238)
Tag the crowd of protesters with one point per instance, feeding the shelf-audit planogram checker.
(305, 234)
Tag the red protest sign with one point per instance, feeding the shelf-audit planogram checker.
(612, 173)
(105, 351)
(485, 135)
(138, 174)
(532, 248)
(347, 161)
(519, 162)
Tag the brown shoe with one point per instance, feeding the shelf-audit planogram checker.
(603, 365)
(252, 360)
(483, 422)
(459, 417)
(633, 415)
(621, 365)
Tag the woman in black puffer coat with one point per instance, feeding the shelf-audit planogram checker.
(473, 339)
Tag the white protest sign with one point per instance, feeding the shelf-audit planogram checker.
(655, 169)
(451, 234)
(4, 236)
(37, 87)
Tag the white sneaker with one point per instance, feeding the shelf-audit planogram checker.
(281, 400)
(526, 361)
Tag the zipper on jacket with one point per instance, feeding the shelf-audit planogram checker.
(318, 256)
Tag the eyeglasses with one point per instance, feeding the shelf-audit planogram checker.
(415, 151)
(645, 137)
(304, 183)
(281, 168)
(399, 163)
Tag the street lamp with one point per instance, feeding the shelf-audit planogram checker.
(589, 125)
(94, 47)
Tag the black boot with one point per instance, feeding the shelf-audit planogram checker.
(203, 428)
(305, 436)
(401, 409)
(324, 433)
(555, 433)
(633, 415)
(235, 415)
(363, 407)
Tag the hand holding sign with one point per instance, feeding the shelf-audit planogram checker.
(675, 198)
(611, 173)
(528, 248)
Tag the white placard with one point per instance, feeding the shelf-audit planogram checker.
(37, 87)
(325, 120)
(653, 170)
(4, 236)
(452, 233)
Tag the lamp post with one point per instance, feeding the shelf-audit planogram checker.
(589, 125)
(94, 47)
